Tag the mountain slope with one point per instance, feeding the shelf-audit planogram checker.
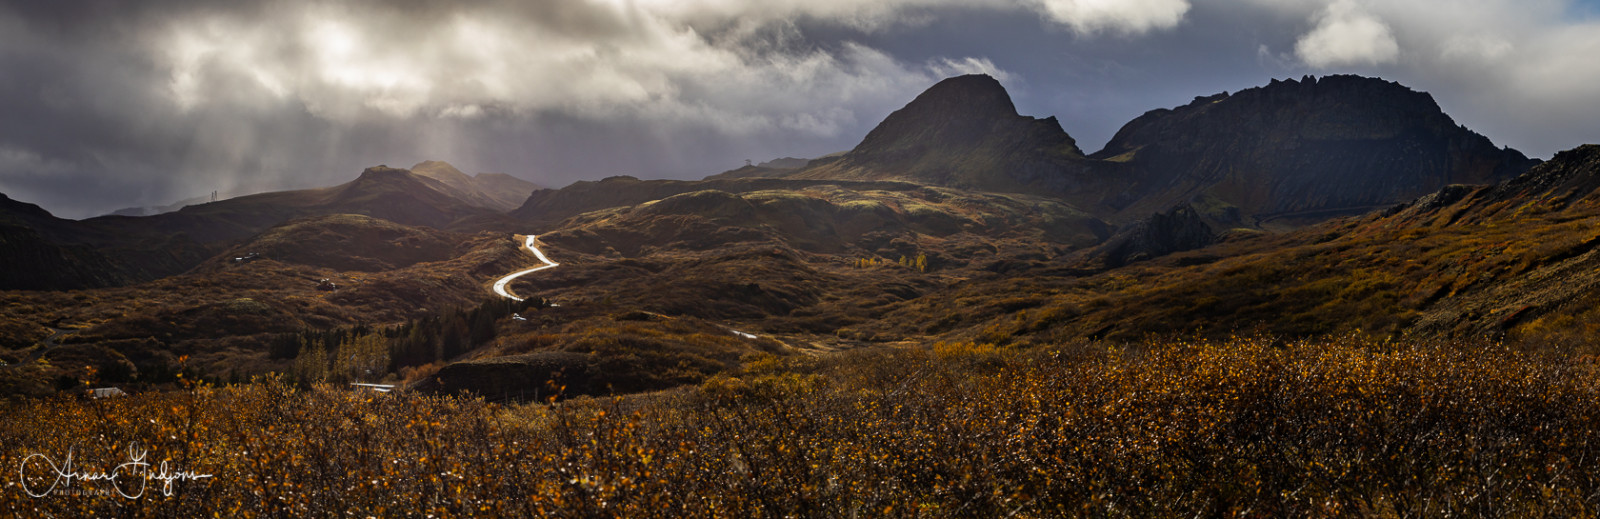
(965, 133)
(497, 191)
(1518, 260)
(1309, 149)
(144, 248)
(1279, 156)
(346, 242)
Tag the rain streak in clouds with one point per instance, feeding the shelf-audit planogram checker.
(117, 105)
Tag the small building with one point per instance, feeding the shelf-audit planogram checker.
(106, 392)
(381, 388)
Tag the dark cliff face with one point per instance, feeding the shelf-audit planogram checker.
(1283, 155)
(1178, 229)
(958, 113)
(965, 133)
(1342, 144)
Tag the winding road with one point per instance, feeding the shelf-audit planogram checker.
(44, 347)
(500, 286)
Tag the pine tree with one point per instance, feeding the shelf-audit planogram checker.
(312, 364)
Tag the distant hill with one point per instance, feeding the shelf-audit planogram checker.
(785, 163)
(497, 191)
(143, 248)
(346, 242)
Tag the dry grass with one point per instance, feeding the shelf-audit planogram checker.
(1238, 428)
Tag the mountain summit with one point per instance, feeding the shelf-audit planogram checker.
(497, 191)
(1282, 155)
(958, 113)
(1303, 149)
(963, 132)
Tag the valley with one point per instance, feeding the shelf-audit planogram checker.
(1234, 297)
(956, 219)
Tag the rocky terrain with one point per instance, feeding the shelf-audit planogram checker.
(1298, 209)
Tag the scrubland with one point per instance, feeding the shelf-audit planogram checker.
(1242, 427)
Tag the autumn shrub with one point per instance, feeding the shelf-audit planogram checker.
(1247, 427)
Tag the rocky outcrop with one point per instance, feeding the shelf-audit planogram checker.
(964, 132)
(1319, 148)
(1283, 155)
(1179, 229)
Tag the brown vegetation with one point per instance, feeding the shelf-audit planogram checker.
(1243, 428)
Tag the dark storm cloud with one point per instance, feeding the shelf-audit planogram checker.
(112, 104)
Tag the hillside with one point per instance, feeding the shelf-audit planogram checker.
(152, 247)
(1279, 156)
(1514, 260)
(965, 133)
(810, 262)
(346, 242)
(497, 191)
(1298, 151)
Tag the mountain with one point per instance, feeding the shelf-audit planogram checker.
(497, 191)
(965, 133)
(113, 250)
(785, 163)
(1302, 151)
(155, 210)
(1283, 155)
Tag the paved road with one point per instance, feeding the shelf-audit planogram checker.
(45, 347)
(500, 286)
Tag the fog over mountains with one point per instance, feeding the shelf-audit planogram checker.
(118, 105)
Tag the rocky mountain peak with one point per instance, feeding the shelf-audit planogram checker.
(963, 132)
(443, 172)
(961, 112)
(382, 173)
(1304, 149)
(973, 96)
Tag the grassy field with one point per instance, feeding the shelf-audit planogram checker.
(1248, 427)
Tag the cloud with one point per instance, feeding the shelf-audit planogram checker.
(166, 99)
(1126, 16)
(17, 161)
(946, 67)
(603, 59)
(111, 104)
(1346, 34)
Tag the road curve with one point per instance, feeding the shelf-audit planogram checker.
(500, 286)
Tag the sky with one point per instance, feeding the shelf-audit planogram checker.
(107, 104)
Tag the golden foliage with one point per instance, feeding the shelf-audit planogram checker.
(1245, 428)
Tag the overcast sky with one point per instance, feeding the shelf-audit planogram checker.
(109, 104)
